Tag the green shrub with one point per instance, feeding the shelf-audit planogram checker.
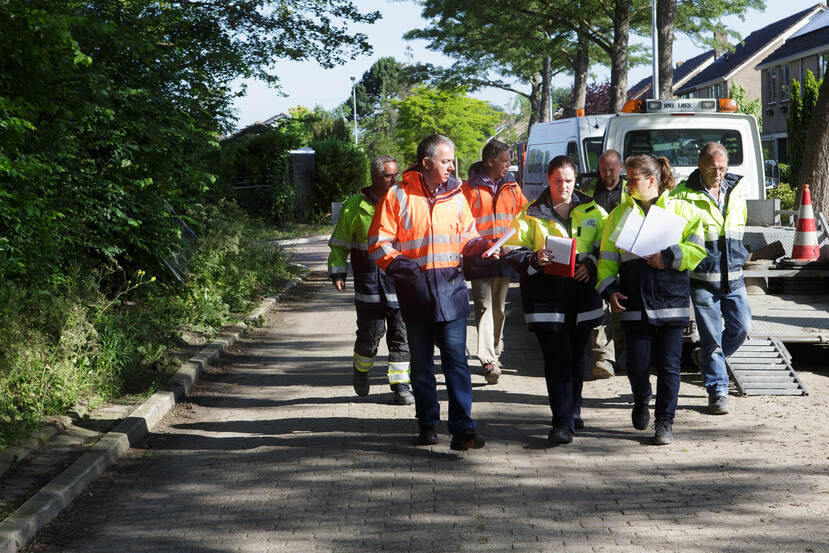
(785, 172)
(340, 170)
(76, 337)
(785, 193)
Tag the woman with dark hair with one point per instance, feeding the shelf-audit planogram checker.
(561, 310)
(651, 293)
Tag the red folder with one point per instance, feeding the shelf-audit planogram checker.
(564, 256)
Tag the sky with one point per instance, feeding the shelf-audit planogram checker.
(307, 84)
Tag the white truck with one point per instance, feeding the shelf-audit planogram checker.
(677, 129)
(577, 137)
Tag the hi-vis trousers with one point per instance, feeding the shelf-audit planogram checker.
(372, 323)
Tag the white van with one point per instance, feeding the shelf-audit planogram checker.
(577, 137)
(677, 129)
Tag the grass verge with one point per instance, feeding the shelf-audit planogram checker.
(91, 335)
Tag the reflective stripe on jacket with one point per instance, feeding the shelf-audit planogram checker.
(418, 239)
(551, 303)
(655, 296)
(371, 286)
(493, 211)
(722, 269)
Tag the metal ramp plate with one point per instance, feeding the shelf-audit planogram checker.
(763, 366)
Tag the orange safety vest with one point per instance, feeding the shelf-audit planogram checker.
(418, 239)
(493, 212)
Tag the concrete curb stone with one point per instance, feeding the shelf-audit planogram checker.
(44, 506)
(12, 455)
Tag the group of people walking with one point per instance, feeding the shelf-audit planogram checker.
(413, 243)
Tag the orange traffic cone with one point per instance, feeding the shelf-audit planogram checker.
(805, 236)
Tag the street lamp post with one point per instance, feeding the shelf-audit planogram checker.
(354, 95)
(655, 48)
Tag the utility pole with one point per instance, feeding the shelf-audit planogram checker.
(354, 95)
(655, 83)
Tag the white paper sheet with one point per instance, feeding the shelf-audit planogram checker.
(661, 229)
(628, 230)
(501, 241)
(560, 249)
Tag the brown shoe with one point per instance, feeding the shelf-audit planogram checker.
(492, 372)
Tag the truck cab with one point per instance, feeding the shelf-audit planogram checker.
(577, 137)
(677, 129)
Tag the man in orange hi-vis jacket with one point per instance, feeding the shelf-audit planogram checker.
(494, 199)
(418, 234)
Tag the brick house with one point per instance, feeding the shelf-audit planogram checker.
(805, 50)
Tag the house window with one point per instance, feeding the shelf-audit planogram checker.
(782, 150)
(822, 63)
(783, 71)
(771, 86)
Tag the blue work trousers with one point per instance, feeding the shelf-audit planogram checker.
(713, 311)
(450, 338)
(565, 356)
(660, 347)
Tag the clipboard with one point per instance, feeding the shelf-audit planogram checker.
(563, 252)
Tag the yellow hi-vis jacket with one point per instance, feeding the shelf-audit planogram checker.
(655, 296)
(372, 288)
(722, 269)
(552, 302)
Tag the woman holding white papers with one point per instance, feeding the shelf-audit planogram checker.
(650, 242)
(557, 288)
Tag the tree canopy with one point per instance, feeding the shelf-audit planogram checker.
(466, 121)
(111, 109)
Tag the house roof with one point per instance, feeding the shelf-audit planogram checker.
(643, 90)
(817, 22)
(817, 38)
(751, 46)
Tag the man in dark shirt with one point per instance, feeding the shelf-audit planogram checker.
(609, 191)
(610, 186)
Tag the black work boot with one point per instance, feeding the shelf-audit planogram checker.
(640, 414)
(663, 435)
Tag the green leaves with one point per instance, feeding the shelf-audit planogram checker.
(468, 122)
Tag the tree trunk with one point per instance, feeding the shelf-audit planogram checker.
(815, 163)
(582, 64)
(665, 17)
(619, 55)
(535, 100)
(546, 75)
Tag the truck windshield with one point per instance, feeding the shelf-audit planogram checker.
(682, 146)
(592, 151)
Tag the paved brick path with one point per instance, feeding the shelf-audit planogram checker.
(275, 453)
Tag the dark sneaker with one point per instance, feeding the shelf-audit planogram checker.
(663, 435)
(468, 439)
(403, 395)
(360, 382)
(640, 416)
(718, 405)
(428, 435)
(492, 373)
(559, 435)
(578, 423)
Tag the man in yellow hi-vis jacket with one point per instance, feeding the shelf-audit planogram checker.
(718, 292)
(374, 292)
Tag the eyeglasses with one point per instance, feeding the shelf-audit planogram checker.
(718, 169)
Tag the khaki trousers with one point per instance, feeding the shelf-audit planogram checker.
(489, 296)
(608, 339)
